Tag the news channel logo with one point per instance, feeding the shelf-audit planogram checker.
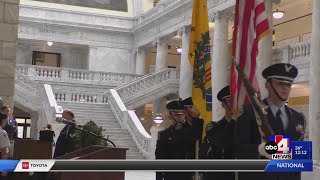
(279, 147)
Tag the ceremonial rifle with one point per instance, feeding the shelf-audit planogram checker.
(259, 107)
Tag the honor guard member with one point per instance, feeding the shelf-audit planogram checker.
(282, 119)
(193, 118)
(176, 142)
(66, 141)
(4, 141)
(218, 142)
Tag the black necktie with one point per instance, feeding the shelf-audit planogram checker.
(279, 121)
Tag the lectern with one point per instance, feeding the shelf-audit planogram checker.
(30, 149)
(93, 152)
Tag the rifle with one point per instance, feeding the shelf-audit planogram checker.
(259, 107)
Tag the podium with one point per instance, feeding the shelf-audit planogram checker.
(30, 149)
(93, 152)
(35, 149)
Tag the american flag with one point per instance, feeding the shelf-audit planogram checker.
(250, 25)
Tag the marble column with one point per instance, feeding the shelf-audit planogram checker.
(141, 61)
(314, 98)
(161, 58)
(9, 19)
(161, 63)
(220, 61)
(264, 58)
(186, 69)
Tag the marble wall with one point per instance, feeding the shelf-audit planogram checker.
(9, 20)
(109, 59)
(71, 56)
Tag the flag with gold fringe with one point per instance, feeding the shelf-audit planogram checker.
(200, 59)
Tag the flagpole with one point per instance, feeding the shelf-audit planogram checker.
(197, 175)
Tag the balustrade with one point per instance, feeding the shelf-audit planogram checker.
(145, 82)
(292, 53)
(128, 118)
(43, 73)
(81, 97)
(27, 84)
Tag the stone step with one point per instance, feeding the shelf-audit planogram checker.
(103, 116)
(89, 110)
(106, 122)
(94, 114)
(87, 107)
(135, 157)
(115, 135)
(98, 119)
(82, 103)
(98, 122)
(121, 139)
(104, 127)
(124, 144)
(133, 151)
(116, 131)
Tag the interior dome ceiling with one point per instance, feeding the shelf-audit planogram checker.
(116, 5)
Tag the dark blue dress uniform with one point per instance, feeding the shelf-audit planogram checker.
(218, 142)
(66, 141)
(197, 123)
(247, 135)
(176, 142)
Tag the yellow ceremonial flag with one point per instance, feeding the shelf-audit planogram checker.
(200, 59)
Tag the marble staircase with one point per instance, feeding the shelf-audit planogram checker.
(103, 116)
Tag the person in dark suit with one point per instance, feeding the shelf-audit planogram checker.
(282, 119)
(12, 125)
(66, 141)
(176, 142)
(218, 142)
(193, 118)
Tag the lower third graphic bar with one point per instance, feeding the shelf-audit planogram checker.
(160, 165)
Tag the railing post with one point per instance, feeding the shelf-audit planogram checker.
(127, 78)
(96, 76)
(68, 96)
(172, 74)
(99, 98)
(31, 71)
(286, 54)
(64, 73)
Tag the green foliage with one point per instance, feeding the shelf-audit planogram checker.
(202, 57)
(86, 139)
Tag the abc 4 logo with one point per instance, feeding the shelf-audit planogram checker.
(282, 147)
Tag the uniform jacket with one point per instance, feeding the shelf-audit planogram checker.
(218, 144)
(66, 141)
(177, 144)
(247, 139)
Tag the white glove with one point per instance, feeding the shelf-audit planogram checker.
(262, 150)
